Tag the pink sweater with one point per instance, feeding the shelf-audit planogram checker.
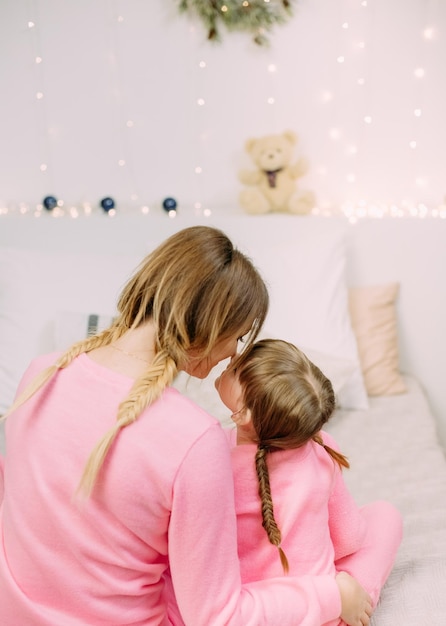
(161, 518)
(318, 517)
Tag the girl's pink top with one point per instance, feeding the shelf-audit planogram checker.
(318, 518)
(156, 540)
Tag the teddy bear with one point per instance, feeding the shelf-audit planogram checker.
(272, 185)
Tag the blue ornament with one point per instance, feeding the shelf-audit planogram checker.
(107, 204)
(169, 204)
(49, 202)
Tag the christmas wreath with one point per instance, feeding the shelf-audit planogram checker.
(256, 17)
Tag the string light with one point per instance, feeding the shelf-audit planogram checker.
(335, 134)
(353, 42)
(429, 33)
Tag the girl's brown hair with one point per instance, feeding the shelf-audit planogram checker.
(198, 289)
(290, 400)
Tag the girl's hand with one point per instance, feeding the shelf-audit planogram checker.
(355, 601)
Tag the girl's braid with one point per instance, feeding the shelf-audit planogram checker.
(268, 521)
(340, 459)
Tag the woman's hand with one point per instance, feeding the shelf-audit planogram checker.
(355, 601)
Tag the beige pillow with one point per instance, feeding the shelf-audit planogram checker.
(374, 321)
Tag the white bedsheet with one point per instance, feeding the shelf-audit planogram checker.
(395, 455)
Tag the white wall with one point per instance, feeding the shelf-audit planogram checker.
(97, 73)
(412, 253)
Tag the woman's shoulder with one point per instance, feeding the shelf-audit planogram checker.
(179, 415)
(38, 364)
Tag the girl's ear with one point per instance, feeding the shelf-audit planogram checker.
(242, 417)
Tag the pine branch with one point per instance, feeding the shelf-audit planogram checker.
(255, 17)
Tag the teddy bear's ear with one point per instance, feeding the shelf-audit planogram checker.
(249, 145)
(290, 136)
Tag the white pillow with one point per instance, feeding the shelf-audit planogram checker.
(305, 273)
(34, 287)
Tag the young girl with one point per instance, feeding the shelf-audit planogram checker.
(294, 512)
(118, 498)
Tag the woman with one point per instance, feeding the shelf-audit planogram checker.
(118, 497)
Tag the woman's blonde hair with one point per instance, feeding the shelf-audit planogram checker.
(290, 400)
(198, 289)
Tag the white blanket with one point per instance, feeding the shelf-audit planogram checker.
(395, 455)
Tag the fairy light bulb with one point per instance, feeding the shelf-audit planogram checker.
(334, 133)
(419, 72)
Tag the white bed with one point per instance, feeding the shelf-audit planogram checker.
(395, 455)
(55, 273)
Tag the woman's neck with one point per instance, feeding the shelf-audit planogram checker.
(131, 354)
